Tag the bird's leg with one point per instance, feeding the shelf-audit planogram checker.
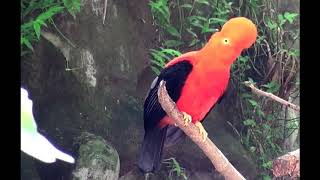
(202, 131)
(186, 118)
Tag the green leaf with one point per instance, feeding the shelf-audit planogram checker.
(267, 165)
(217, 20)
(27, 26)
(206, 28)
(294, 53)
(157, 61)
(32, 6)
(197, 24)
(281, 19)
(269, 117)
(270, 24)
(266, 126)
(188, 6)
(203, 2)
(260, 113)
(50, 12)
(252, 149)
(173, 31)
(290, 16)
(196, 21)
(155, 70)
(41, 22)
(243, 59)
(266, 177)
(252, 102)
(26, 42)
(160, 11)
(200, 18)
(172, 43)
(73, 6)
(260, 39)
(36, 27)
(158, 58)
(172, 52)
(272, 87)
(162, 54)
(192, 33)
(193, 42)
(246, 95)
(249, 122)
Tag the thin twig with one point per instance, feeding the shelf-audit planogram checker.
(104, 11)
(194, 2)
(216, 157)
(234, 129)
(272, 96)
(64, 37)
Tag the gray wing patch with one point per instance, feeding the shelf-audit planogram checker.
(154, 82)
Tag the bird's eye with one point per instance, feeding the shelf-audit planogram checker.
(226, 41)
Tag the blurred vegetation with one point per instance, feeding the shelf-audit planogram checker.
(176, 171)
(36, 14)
(272, 64)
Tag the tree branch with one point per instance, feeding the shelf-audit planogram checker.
(60, 44)
(270, 95)
(288, 164)
(219, 161)
(104, 11)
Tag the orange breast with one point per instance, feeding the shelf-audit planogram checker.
(200, 92)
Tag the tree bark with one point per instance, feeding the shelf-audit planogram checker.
(288, 164)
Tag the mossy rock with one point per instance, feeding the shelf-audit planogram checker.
(97, 159)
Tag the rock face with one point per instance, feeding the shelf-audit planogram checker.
(28, 171)
(97, 159)
(96, 82)
(94, 85)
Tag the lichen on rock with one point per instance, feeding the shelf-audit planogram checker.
(97, 159)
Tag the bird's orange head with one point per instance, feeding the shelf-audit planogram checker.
(236, 35)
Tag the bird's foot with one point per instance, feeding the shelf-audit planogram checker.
(202, 131)
(186, 118)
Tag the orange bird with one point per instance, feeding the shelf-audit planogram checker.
(196, 81)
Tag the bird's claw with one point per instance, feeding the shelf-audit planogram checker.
(186, 118)
(202, 131)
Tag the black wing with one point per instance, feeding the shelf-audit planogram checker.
(175, 77)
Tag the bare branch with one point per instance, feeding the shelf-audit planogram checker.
(104, 11)
(59, 43)
(272, 96)
(219, 161)
(288, 164)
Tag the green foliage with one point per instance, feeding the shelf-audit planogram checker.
(194, 25)
(175, 169)
(272, 87)
(73, 6)
(38, 13)
(271, 64)
(161, 57)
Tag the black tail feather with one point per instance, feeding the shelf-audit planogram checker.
(174, 136)
(151, 151)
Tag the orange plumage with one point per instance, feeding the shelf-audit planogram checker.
(214, 60)
(195, 81)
